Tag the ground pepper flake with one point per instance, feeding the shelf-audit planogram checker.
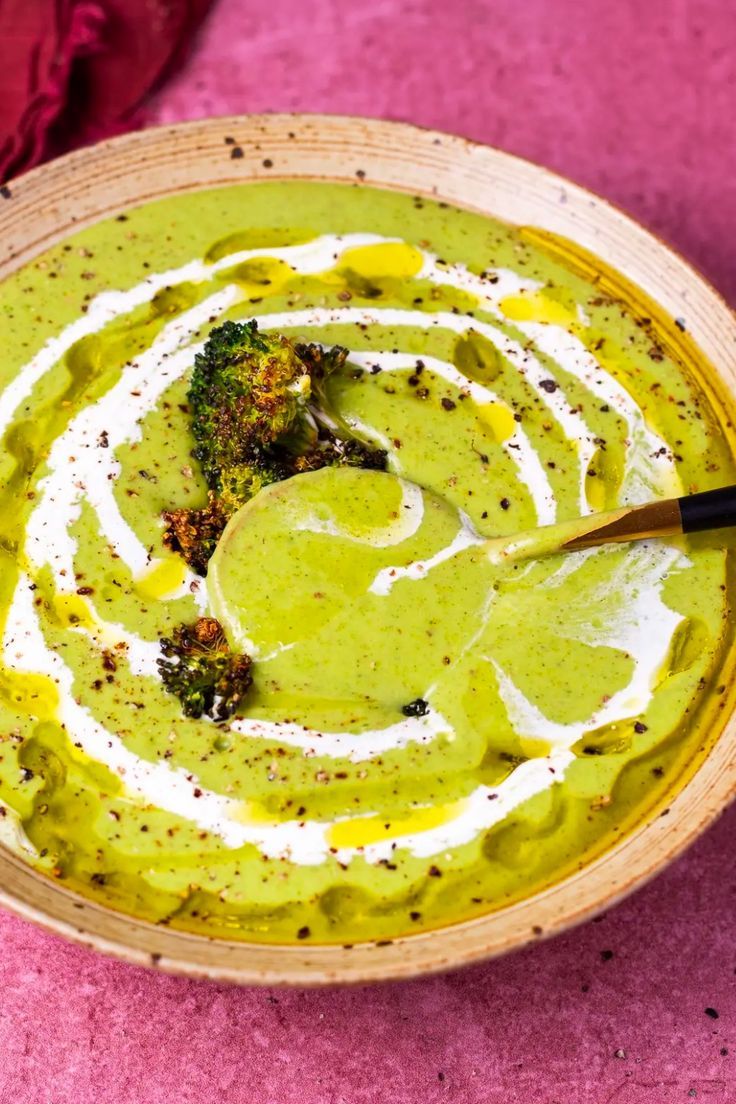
(108, 661)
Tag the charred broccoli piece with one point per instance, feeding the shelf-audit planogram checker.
(320, 362)
(202, 672)
(195, 533)
(248, 391)
(340, 452)
(260, 414)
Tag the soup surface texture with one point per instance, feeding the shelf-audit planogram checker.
(430, 735)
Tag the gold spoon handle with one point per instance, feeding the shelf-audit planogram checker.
(666, 517)
(654, 519)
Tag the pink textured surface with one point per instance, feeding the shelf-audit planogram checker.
(636, 100)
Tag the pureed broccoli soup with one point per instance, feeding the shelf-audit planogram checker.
(338, 720)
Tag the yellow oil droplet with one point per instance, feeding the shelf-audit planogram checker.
(252, 812)
(611, 739)
(603, 480)
(162, 579)
(670, 481)
(392, 259)
(363, 831)
(610, 359)
(689, 643)
(24, 692)
(73, 611)
(477, 358)
(84, 359)
(261, 277)
(595, 492)
(260, 237)
(538, 307)
(499, 419)
(173, 300)
(534, 749)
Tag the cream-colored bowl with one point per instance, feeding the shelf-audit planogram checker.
(49, 203)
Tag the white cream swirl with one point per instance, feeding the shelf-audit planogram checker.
(80, 470)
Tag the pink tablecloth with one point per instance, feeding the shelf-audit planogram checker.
(638, 100)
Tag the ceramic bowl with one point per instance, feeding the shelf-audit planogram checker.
(49, 203)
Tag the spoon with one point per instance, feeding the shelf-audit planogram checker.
(313, 566)
(665, 517)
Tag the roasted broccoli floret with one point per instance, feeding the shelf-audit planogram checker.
(260, 414)
(202, 671)
(248, 392)
(195, 533)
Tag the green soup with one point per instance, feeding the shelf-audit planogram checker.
(430, 736)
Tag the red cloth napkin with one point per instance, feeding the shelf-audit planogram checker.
(72, 71)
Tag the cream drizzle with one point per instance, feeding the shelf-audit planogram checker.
(529, 469)
(179, 792)
(81, 467)
(141, 655)
(12, 834)
(157, 784)
(358, 747)
(649, 468)
(387, 577)
(650, 471)
(641, 625)
(481, 810)
(649, 445)
(109, 306)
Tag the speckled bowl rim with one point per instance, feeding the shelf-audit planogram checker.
(45, 205)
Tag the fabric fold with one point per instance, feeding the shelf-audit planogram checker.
(74, 71)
